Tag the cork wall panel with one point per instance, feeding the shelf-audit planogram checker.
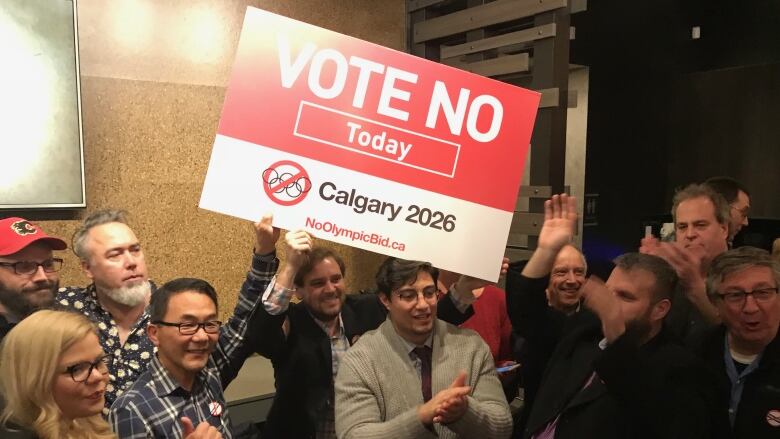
(148, 150)
(151, 106)
(194, 41)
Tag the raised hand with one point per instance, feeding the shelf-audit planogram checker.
(204, 430)
(600, 300)
(560, 222)
(687, 264)
(265, 235)
(297, 246)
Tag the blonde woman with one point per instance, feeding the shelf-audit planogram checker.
(53, 374)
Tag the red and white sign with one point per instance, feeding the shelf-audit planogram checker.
(369, 147)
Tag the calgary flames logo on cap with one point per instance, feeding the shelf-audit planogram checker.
(23, 228)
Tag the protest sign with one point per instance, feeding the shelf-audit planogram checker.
(369, 147)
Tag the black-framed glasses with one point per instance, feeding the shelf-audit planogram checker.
(30, 267)
(430, 295)
(190, 328)
(738, 298)
(82, 371)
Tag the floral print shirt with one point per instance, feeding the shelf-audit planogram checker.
(131, 359)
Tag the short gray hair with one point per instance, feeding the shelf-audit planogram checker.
(692, 191)
(105, 216)
(739, 259)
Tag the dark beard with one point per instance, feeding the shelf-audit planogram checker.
(640, 328)
(20, 305)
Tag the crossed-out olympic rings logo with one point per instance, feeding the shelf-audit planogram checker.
(286, 183)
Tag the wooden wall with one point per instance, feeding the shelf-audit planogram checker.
(154, 75)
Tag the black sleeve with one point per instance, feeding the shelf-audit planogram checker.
(669, 393)
(447, 311)
(532, 318)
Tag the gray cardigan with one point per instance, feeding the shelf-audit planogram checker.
(378, 389)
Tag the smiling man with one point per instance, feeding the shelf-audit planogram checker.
(566, 280)
(307, 341)
(615, 371)
(197, 356)
(417, 376)
(29, 274)
(745, 351)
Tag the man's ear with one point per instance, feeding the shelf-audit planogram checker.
(725, 229)
(86, 268)
(151, 331)
(660, 310)
(385, 300)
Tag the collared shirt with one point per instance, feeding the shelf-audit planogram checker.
(416, 361)
(153, 406)
(326, 424)
(550, 428)
(737, 378)
(129, 359)
(276, 300)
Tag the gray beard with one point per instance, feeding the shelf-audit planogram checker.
(130, 296)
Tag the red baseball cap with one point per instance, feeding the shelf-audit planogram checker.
(17, 233)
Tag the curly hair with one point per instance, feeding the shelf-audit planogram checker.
(29, 358)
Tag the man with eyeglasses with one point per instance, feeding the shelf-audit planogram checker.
(615, 371)
(29, 276)
(417, 376)
(306, 341)
(181, 391)
(745, 351)
(738, 198)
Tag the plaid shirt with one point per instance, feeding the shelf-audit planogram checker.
(326, 424)
(276, 300)
(131, 359)
(153, 406)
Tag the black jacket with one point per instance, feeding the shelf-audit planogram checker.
(761, 393)
(657, 390)
(540, 327)
(5, 327)
(302, 360)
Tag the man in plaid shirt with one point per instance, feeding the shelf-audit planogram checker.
(181, 392)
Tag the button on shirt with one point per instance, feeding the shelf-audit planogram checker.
(131, 359)
(326, 425)
(153, 406)
(276, 300)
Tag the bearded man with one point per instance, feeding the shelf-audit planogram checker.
(116, 300)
